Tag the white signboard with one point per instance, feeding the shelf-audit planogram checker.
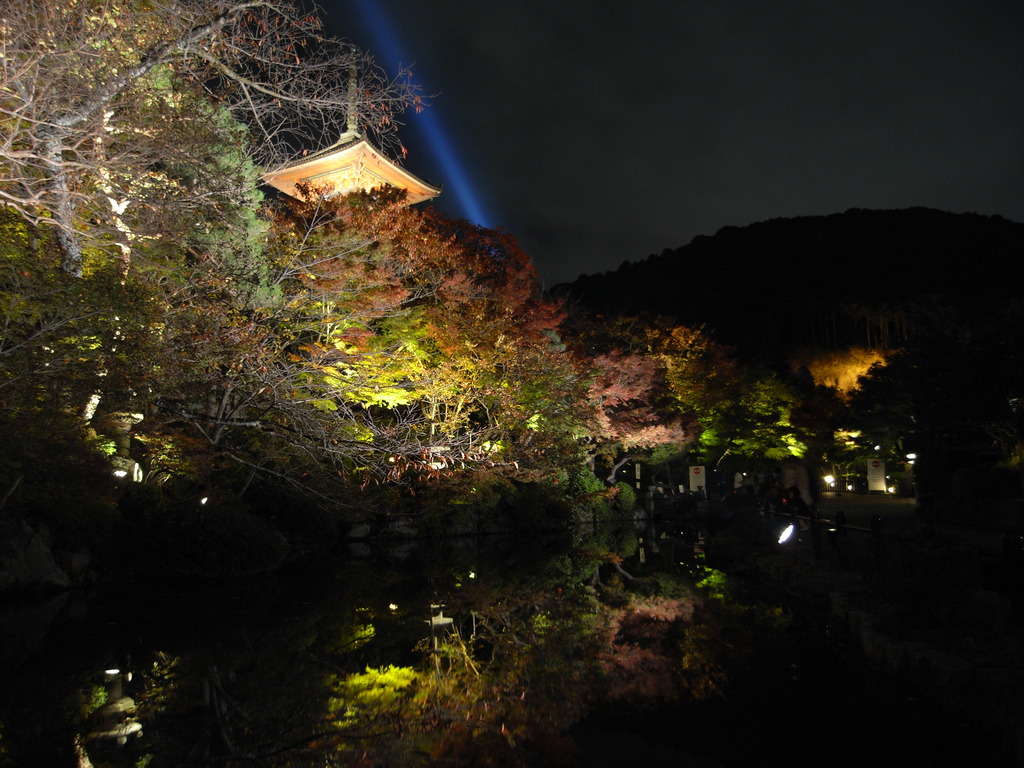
(697, 478)
(876, 475)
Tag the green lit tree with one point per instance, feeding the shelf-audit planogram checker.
(741, 410)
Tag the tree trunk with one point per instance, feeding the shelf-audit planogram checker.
(610, 480)
(64, 210)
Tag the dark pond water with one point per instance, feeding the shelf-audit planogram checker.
(807, 704)
(285, 671)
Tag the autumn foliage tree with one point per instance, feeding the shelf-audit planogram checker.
(499, 363)
(209, 339)
(384, 345)
(628, 399)
(356, 338)
(659, 390)
(629, 412)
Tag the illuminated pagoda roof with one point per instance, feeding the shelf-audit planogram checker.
(350, 164)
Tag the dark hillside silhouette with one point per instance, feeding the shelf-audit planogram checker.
(863, 277)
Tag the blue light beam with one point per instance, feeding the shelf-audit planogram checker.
(385, 39)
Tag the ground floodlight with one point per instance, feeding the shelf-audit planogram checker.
(785, 535)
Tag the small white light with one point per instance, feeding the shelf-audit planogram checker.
(472, 575)
(204, 499)
(784, 536)
(392, 607)
(120, 473)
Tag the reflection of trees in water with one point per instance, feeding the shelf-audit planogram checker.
(341, 669)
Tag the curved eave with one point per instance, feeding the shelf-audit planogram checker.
(356, 166)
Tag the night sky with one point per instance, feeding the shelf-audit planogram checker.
(599, 133)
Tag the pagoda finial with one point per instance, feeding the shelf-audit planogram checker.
(352, 108)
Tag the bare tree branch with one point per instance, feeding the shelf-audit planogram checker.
(100, 101)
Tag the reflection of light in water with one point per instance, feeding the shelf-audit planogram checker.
(456, 178)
